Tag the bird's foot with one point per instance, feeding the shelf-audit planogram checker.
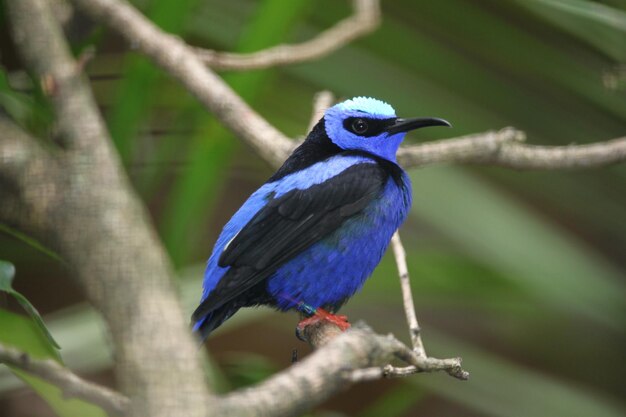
(323, 315)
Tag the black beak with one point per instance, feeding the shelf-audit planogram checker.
(404, 125)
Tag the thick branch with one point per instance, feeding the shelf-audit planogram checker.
(84, 208)
(71, 384)
(328, 370)
(505, 148)
(366, 19)
(358, 352)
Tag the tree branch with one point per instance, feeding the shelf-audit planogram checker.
(365, 19)
(407, 295)
(84, 208)
(505, 148)
(328, 370)
(181, 62)
(321, 101)
(451, 366)
(416, 357)
(177, 58)
(71, 384)
(156, 364)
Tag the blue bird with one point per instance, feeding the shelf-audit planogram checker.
(310, 236)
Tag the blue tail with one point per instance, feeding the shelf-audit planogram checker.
(212, 321)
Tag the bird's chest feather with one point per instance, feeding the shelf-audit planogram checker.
(335, 268)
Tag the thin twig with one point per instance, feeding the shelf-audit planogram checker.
(418, 359)
(407, 295)
(422, 363)
(452, 366)
(84, 58)
(71, 384)
(321, 101)
(365, 19)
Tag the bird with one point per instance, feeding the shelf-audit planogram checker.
(311, 235)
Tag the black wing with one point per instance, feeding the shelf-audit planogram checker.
(289, 224)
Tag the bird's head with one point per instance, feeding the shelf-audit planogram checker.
(371, 125)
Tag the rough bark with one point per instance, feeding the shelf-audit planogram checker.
(78, 200)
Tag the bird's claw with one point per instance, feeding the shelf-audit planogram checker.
(323, 315)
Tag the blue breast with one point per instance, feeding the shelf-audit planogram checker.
(335, 268)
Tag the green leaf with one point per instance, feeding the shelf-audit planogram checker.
(32, 242)
(600, 25)
(23, 334)
(85, 340)
(7, 273)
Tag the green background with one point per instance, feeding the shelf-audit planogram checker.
(520, 273)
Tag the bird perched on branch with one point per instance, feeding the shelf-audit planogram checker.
(310, 236)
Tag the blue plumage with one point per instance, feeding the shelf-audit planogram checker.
(315, 231)
(333, 269)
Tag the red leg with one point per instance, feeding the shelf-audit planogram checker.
(323, 315)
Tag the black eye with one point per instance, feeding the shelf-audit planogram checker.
(359, 126)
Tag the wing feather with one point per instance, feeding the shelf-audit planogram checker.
(289, 224)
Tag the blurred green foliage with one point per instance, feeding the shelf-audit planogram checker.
(520, 273)
(7, 274)
(26, 335)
